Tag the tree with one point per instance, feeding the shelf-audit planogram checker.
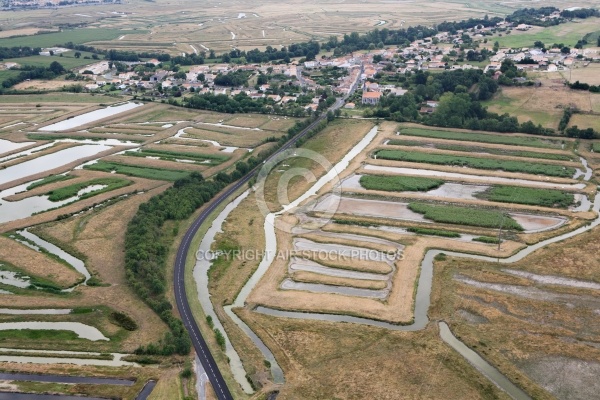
(56, 68)
(539, 44)
(201, 77)
(496, 46)
(77, 54)
(565, 50)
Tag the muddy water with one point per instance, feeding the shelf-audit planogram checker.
(537, 223)
(554, 280)
(13, 210)
(447, 190)
(369, 208)
(89, 117)
(481, 365)
(7, 145)
(49, 161)
(339, 251)
(225, 149)
(26, 152)
(584, 203)
(483, 178)
(83, 331)
(289, 284)
(51, 358)
(203, 264)
(76, 263)
(299, 264)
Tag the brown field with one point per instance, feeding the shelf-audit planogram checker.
(329, 360)
(522, 336)
(37, 264)
(42, 85)
(589, 74)
(584, 121)
(248, 120)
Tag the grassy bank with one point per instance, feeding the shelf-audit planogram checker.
(72, 190)
(399, 183)
(475, 149)
(140, 172)
(484, 138)
(479, 163)
(465, 216)
(529, 196)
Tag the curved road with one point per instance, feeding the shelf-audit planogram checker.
(206, 358)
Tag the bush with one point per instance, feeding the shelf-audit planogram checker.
(124, 321)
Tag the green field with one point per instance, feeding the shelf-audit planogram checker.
(475, 149)
(399, 183)
(568, 34)
(529, 196)
(141, 172)
(465, 216)
(596, 147)
(76, 36)
(72, 190)
(49, 179)
(68, 60)
(434, 232)
(529, 141)
(5, 74)
(479, 163)
(205, 159)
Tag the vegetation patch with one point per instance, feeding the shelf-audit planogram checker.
(123, 320)
(487, 239)
(484, 138)
(434, 232)
(475, 149)
(49, 179)
(37, 334)
(465, 216)
(530, 196)
(399, 183)
(140, 172)
(72, 190)
(479, 163)
(206, 159)
(596, 147)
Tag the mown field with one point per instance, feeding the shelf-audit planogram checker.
(471, 216)
(568, 34)
(488, 150)
(528, 141)
(479, 163)
(68, 60)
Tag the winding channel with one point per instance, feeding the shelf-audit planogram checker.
(423, 294)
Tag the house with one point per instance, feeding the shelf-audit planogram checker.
(523, 27)
(371, 98)
(350, 106)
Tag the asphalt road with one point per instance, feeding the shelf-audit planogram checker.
(206, 358)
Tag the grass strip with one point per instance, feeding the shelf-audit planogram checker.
(209, 159)
(72, 190)
(529, 196)
(475, 149)
(49, 179)
(478, 163)
(448, 214)
(434, 232)
(140, 172)
(528, 141)
(399, 183)
(487, 239)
